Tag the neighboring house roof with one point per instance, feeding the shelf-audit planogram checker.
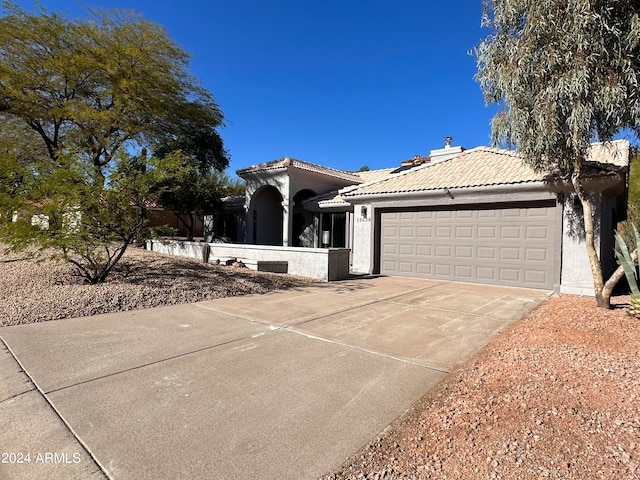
(478, 167)
(285, 163)
(151, 204)
(233, 201)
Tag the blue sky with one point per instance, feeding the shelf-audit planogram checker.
(340, 83)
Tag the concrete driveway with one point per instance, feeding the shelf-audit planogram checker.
(285, 385)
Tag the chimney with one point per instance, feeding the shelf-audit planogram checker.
(444, 153)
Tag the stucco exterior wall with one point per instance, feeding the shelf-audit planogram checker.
(576, 277)
(362, 241)
(326, 264)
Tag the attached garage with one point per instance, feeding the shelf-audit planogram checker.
(502, 244)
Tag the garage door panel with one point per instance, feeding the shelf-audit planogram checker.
(486, 253)
(536, 231)
(407, 232)
(463, 251)
(510, 233)
(512, 213)
(510, 275)
(487, 274)
(424, 232)
(444, 232)
(407, 249)
(508, 246)
(424, 268)
(443, 251)
(425, 215)
(464, 272)
(389, 267)
(513, 254)
(442, 269)
(533, 255)
(390, 232)
(464, 232)
(390, 249)
(487, 232)
(541, 213)
(444, 214)
(406, 267)
(536, 276)
(487, 213)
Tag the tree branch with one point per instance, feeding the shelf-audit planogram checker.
(617, 276)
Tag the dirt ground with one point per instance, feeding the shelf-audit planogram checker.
(555, 396)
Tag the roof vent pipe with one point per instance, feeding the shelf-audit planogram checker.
(444, 153)
(447, 142)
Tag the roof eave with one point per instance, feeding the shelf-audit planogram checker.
(247, 172)
(449, 191)
(609, 184)
(328, 208)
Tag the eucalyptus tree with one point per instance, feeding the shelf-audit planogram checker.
(84, 106)
(564, 72)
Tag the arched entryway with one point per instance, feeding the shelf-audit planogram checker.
(303, 227)
(266, 218)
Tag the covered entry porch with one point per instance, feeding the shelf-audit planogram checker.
(283, 205)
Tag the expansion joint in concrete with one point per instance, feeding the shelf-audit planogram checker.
(57, 413)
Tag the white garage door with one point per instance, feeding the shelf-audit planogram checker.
(502, 246)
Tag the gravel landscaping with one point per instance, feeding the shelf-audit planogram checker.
(40, 291)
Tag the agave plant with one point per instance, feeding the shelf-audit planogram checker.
(630, 270)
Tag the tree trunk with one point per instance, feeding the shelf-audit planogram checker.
(603, 301)
(615, 278)
(111, 262)
(189, 225)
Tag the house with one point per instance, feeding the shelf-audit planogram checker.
(228, 225)
(478, 215)
(159, 216)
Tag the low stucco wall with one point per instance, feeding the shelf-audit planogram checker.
(326, 264)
